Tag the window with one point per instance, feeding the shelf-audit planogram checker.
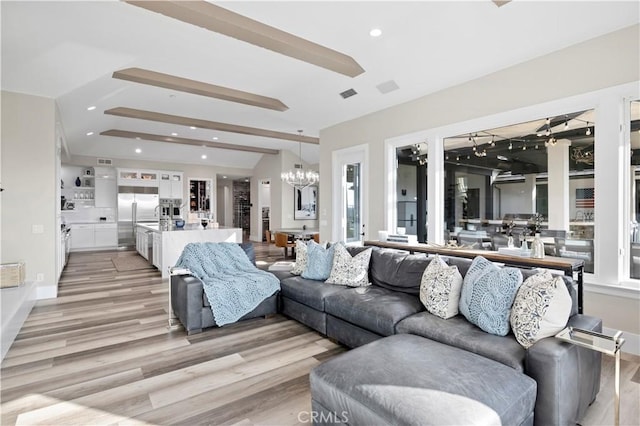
(634, 226)
(499, 180)
(411, 190)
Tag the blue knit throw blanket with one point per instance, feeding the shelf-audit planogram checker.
(233, 285)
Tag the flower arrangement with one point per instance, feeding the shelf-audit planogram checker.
(508, 227)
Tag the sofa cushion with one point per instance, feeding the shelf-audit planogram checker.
(351, 271)
(487, 295)
(440, 288)
(372, 308)
(541, 308)
(308, 292)
(301, 258)
(458, 332)
(397, 271)
(319, 261)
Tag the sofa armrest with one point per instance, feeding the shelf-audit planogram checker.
(186, 301)
(568, 376)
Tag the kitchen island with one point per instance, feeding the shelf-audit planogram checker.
(167, 245)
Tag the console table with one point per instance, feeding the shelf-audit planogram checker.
(565, 264)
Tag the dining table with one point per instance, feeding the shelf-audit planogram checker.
(298, 233)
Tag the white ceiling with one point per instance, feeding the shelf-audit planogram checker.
(69, 50)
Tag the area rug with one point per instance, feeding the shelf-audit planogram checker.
(130, 263)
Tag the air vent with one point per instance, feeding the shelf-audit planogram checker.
(105, 162)
(348, 93)
(387, 86)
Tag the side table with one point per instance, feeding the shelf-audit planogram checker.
(609, 345)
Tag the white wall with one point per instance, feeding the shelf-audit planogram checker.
(270, 167)
(568, 72)
(29, 180)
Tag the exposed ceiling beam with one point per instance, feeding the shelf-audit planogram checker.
(224, 21)
(500, 3)
(173, 82)
(206, 124)
(186, 141)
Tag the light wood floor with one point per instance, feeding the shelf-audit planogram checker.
(101, 354)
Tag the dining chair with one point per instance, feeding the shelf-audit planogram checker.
(471, 241)
(282, 240)
(499, 240)
(576, 249)
(267, 234)
(549, 249)
(316, 238)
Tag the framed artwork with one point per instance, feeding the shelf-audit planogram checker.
(305, 203)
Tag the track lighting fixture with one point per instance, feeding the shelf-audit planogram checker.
(588, 132)
(493, 140)
(510, 146)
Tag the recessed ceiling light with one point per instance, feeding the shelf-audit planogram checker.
(174, 134)
(89, 133)
(375, 32)
(91, 108)
(138, 150)
(193, 127)
(204, 157)
(215, 138)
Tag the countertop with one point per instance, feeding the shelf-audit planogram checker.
(90, 222)
(155, 227)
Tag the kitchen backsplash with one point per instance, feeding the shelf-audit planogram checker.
(89, 214)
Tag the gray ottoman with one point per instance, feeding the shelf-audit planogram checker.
(409, 380)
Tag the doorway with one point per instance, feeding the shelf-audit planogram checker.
(264, 203)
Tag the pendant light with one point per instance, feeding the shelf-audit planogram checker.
(299, 177)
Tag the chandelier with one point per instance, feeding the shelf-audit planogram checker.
(300, 178)
(580, 156)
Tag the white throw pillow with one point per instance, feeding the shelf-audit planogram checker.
(541, 308)
(440, 288)
(301, 258)
(348, 270)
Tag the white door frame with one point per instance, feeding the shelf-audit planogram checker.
(339, 159)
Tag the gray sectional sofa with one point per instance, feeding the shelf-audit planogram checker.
(567, 377)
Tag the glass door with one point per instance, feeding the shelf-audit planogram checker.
(353, 211)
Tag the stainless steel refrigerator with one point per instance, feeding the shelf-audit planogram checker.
(135, 204)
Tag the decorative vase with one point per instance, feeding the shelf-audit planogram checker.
(78, 183)
(537, 248)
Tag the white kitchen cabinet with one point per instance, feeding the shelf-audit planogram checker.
(105, 188)
(87, 236)
(131, 177)
(157, 250)
(82, 236)
(106, 235)
(170, 184)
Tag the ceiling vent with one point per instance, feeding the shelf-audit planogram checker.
(387, 86)
(105, 162)
(348, 93)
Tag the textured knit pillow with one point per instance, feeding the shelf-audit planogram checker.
(440, 288)
(319, 261)
(348, 270)
(487, 295)
(541, 309)
(301, 258)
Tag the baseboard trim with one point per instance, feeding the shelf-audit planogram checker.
(632, 341)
